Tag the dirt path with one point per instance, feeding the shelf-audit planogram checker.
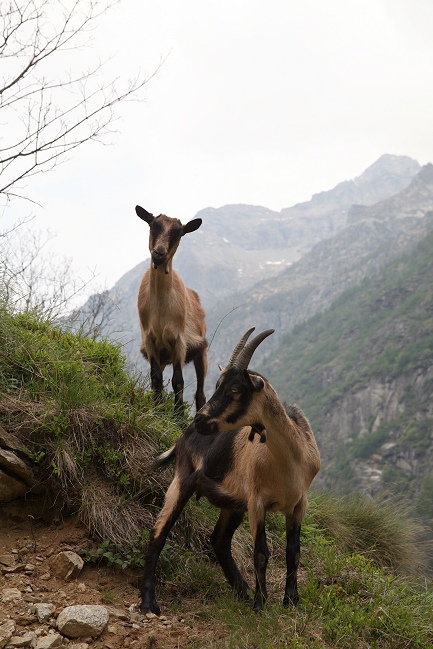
(31, 544)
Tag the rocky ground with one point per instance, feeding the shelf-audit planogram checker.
(33, 595)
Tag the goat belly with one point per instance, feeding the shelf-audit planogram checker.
(212, 491)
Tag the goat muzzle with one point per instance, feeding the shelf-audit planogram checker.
(205, 425)
(158, 258)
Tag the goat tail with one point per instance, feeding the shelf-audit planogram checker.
(164, 458)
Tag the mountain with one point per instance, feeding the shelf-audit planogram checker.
(241, 246)
(373, 236)
(363, 371)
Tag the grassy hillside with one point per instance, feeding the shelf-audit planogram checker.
(91, 431)
(363, 372)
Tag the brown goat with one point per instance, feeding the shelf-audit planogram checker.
(240, 472)
(172, 320)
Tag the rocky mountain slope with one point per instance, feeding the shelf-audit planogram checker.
(372, 237)
(363, 371)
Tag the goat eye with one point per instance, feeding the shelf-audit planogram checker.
(234, 389)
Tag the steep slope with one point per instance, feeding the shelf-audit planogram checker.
(363, 373)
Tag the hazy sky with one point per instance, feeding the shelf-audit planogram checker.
(258, 102)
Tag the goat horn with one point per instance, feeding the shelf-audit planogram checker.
(239, 347)
(244, 356)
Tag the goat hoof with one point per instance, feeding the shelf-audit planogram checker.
(150, 607)
(290, 600)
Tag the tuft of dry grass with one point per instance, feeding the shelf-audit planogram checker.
(107, 516)
(381, 528)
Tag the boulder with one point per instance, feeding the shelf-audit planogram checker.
(12, 464)
(10, 488)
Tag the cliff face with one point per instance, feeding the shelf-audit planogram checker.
(363, 372)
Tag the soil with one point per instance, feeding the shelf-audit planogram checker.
(33, 543)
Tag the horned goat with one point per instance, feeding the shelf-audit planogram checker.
(172, 320)
(240, 472)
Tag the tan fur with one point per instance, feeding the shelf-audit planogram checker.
(276, 475)
(171, 316)
(172, 320)
(171, 498)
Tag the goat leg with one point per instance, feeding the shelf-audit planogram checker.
(293, 548)
(200, 365)
(261, 557)
(156, 379)
(221, 541)
(177, 384)
(178, 494)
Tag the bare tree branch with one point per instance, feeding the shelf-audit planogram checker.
(44, 116)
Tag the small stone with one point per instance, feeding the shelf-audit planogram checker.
(7, 629)
(49, 641)
(44, 611)
(45, 577)
(7, 560)
(11, 595)
(22, 640)
(66, 565)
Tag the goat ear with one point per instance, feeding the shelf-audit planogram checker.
(146, 216)
(192, 226)
(256, 382)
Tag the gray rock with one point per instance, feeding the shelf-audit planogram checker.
(10, 595)
(49, 641)
(44, 611)
(79, 621)
(25, 640)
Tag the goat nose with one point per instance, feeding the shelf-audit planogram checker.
(158, 255)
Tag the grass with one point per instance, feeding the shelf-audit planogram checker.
(92, 431)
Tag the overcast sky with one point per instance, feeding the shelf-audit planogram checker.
(258, 102)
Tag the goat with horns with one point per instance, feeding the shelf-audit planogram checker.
(172, 320)
(239, 471)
